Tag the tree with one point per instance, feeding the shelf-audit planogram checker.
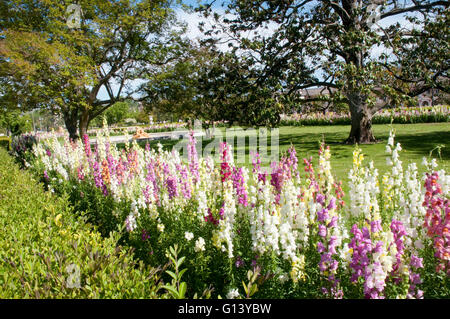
(51, 59)
(211, 85)
(116, 113)
(15, 123)
(330, 44)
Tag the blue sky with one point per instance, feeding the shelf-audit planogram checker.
(192, 20)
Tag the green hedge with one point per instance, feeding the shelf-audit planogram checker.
(5, 142)
(46, 251)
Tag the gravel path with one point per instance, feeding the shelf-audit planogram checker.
(173, 135)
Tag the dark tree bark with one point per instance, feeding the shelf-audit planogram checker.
(84, 122)
(361, 120)
(71, 121)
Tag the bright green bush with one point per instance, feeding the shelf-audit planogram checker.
(45, 249)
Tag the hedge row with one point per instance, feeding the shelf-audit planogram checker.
(47, 251)
(5, 142)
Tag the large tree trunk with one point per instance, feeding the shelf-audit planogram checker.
(71, 122)
(361, 117)
(84, 122)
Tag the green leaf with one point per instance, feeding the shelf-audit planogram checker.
(172, 274)
(245, 287)
(183, 287)
(180, 274)
(253, 290)
(180, 261)
(172, 291)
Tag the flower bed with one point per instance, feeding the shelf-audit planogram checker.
(276, 234)
(403, 115)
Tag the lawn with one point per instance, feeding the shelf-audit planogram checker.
(417, 141)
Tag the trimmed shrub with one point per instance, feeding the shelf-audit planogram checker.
(46, 251)
(5, 142)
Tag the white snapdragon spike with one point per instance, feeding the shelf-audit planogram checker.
(233, 294)
(363, 189)
(444, 181)
(130, 222)
(202, 210)
(62, 171)
(327, 180)
(382, 262)
(263, 219)
(286, 231)
(356, 184)
(393, 180)
(412, 211)
(256, 216)
(309, 205)
(225, 232)
(294, 228)
(199, 245)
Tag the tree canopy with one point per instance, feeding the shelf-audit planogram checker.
(332, 44)
(51, 59)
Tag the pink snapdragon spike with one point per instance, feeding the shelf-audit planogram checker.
(293, 160)
(193, 157)
(120, 171)
(399, 232)
(133, 163)
(112, 164)
(362, 264)
(151, 177)
(414, 278)
(98, 178)
(311, 174)
(146, 193)
(211, 219)
(225, 157)
(87, 146)
(80, 173)
(437, 220)
(184, 181)
(277, 178)
(239, 185)
(326, 246)
(256, 162)
(171, 184)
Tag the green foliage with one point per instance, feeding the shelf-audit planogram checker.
(215, 86)
(21, 147)
(15, 122)
(251, 287)
(48, 252)
(177, 288)
(331, 44)
(114, 115)
(48, 63)
(5, 142)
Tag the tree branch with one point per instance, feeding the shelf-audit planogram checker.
(397, 11)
